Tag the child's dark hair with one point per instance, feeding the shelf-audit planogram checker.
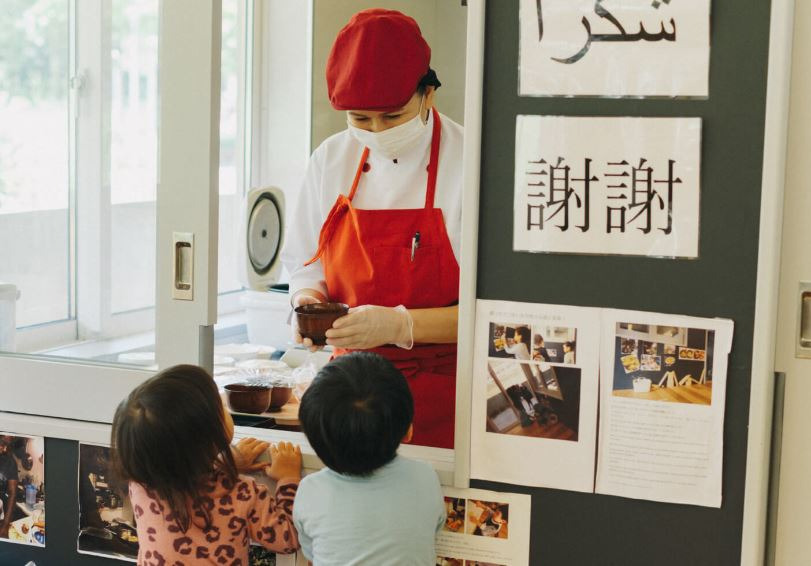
(169, 435)
(356, 412)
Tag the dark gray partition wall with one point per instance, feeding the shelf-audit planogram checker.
(584, 529)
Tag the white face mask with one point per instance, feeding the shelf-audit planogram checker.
(393, 142)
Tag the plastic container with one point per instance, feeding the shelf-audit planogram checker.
(8, 317)
(30, 495)
(266, 314)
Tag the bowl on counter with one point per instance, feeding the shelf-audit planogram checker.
(315, 319)
(253, 398)
(279, 396)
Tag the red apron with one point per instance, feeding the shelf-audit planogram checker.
(367, 260)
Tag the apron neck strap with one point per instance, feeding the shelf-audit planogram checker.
(364, 156)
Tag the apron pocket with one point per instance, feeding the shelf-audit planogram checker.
(402, 281)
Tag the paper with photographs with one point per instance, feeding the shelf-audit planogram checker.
(22, 489)
(662, 418)
(484, 528)
(607, 185)
(614, 48)
(535, 391)
(106, 521)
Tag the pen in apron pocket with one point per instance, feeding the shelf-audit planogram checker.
(415, 243)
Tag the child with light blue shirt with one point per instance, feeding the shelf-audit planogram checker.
(369, 506)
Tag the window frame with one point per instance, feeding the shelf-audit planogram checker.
(86, 393)
(89, 252)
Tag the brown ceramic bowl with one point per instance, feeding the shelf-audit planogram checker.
(315, 319)
(279, 397)
(247, 398)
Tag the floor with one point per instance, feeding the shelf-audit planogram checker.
(558, 431)
(698, 394)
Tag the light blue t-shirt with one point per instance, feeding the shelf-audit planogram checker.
(391, 517)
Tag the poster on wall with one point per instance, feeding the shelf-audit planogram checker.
(596, 185)
(535, 391)
(614, 48)
(106, 520)
(484, 528)
(662, 419)
(22, 489)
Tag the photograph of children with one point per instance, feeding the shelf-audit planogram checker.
(554, 344)
(448, 561)
(488, 519)
(534, 400)
(106, 520)
(650, 363)
(454, 514)
(511, 341)
(660, 374)
(22, 489)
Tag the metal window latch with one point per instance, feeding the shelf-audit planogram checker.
(803, 344)
(183, 266)
(77, 81)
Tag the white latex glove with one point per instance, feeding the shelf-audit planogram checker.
(369, 326)
(304, 297)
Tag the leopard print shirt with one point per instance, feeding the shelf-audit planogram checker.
(241, 512)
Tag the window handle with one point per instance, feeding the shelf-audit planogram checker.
(183, 266)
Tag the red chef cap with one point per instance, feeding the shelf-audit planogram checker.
(376, 62)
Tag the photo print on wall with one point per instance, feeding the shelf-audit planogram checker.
(22, 489)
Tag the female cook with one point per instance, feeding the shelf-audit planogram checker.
(378, 220)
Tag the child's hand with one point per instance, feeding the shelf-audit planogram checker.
(246, 452)
(285, 461)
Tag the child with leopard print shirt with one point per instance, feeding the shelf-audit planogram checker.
(171, 442)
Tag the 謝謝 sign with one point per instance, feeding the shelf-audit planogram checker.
(614, 47)
(592, 185)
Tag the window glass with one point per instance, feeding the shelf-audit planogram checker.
(78, 174)
(34, 171)
(133, 111)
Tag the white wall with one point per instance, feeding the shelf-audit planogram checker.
(443, 24)
(284, 98)
(794, 503)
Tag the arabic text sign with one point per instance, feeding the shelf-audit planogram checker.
(591, 185)
(615, 47)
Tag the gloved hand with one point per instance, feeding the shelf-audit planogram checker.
(369, 326)
(304, 297)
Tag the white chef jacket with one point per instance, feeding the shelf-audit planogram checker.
(388, 184)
